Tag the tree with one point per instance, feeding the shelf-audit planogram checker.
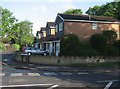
(94, 10)
(25, 35)
(110, 35)
(73, 11)
(7, 22)
(117, 11)
(109, 9)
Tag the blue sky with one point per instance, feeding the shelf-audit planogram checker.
(41, 11)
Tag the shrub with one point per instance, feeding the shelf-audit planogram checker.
(110, 50)
(16, 47)
(110, 35)
(85, 49)
(117, 44)
(2, 47)
(69, 45)
(99, 42)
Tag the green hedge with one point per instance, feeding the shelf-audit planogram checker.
(72, 46)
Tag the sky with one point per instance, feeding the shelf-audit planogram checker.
(39, 12)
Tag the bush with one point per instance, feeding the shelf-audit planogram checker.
(85, 49)
(98, 42)
(16, 47)
(2, 47)
(69, 45)
(110, 35)
(117, 44)
(111, 50)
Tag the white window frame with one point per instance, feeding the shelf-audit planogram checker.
(94, 26)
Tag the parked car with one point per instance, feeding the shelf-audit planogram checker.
(31, 50)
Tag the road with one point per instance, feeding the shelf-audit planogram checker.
(13, 78)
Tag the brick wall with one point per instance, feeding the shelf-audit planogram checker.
(85, 31)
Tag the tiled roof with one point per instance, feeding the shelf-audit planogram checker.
(87, 17)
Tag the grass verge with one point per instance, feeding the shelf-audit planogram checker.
(104, 64)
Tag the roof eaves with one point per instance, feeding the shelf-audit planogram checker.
(91, 21)
(61, 17)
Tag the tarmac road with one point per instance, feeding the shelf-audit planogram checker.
(53, 77)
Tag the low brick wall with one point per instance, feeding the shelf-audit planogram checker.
(65, 60)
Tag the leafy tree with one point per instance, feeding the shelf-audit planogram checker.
(110, 9)
(73, 11)
(25, 35)
(7, 23)
(117, 11)
(110, 35)
(94, 10)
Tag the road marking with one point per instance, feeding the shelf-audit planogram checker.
(16, 74)
(33, 74)
(108, 85)
(66, 73)
(2, 74)
(83, 73)
(52, 73)
(54, 86)
(27, 85)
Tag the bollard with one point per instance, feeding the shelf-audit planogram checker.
(26, 57)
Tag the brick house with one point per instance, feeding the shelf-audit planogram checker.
(84, 26)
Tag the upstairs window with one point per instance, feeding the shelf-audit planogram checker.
(44, 33)
(94, 26)
(56, 27)
(60, 26)
(52, 31)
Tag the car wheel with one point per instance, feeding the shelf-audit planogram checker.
(29, 53)
(44, 54)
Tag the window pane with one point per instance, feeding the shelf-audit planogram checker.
(60, 26)
(94, 26)
(52, 31)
